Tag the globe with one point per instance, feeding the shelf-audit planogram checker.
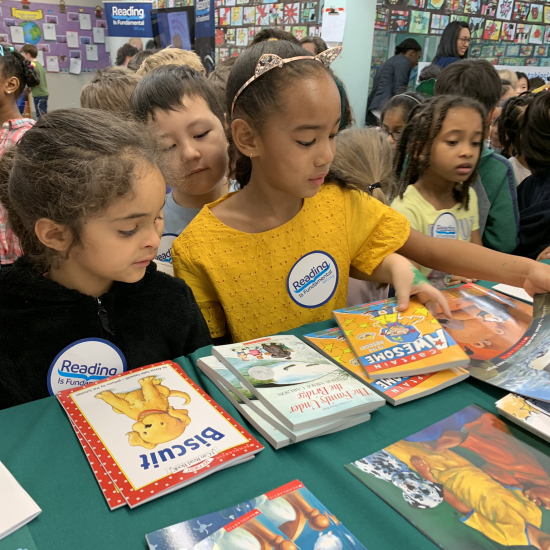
(32, 32)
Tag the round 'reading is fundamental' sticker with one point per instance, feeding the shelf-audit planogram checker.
(84, 362)
(261, 373)
(313, 279)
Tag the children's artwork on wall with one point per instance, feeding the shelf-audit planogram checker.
(439, 22)
(489, 8)
(420, 22)
(299, 32)
(292, 13)
(508, 32)
(526, 51)
(309, 12)
(522, 33)
(532, 62)
(474, 51)
(399, 21)
(276, 14)
(464, 18)
(236, 16)
(381, 20)
(535, 13)
(546, 18)
(242, 37)
(547, 35)
(262, 16)
(249, 15)
(545, 62)
(224, 17)
(436, 4)
(457, 6)
(230, 36)
(472, 6)
(476, 27)
(487, 51)
(505, 8)
(499, 50)
(541, 51)
(220, 37)
(521, 11)
(416, 3)
(537, 34)
(512, 50)
(492, 30)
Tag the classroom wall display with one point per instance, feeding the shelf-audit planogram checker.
(129, 19)
(515, 33)
(60, 32)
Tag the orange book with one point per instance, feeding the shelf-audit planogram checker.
(390, 343)
(332, 343)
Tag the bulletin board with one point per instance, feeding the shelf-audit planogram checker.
(59, 32)
(504, 32)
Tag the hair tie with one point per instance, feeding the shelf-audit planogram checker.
(374, 186)
(272, 39)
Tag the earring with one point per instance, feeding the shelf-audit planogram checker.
(9, 92)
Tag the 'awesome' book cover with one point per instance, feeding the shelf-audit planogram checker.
(332, 343)
(154, 430)
(390, 343)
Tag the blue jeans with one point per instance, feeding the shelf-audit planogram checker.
(40, 105)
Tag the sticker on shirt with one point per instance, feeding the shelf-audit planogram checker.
(164, 252)
(446, 226)
(83, 362)
(313, 279)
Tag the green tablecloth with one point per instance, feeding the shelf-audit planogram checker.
(39, 447)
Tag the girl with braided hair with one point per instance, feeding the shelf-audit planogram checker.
(509, 134)
(435, 164)
(15, 74)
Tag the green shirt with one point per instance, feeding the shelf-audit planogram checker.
(42, 89)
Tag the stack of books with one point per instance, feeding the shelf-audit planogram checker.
(400, 355)
(286, 518)
(287, 390)
(151, 431)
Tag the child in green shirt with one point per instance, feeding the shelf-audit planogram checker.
(39, 93)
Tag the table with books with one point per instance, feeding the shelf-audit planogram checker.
(39, 447)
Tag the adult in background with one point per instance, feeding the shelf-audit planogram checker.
(454, 44)
(314, 44)
(392, 78)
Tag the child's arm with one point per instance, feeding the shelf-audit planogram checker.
(406, 280)
(468, 260)
(476, 238)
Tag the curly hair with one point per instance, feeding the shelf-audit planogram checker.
(15, 64)
(509, 124)
(414, 150)
(126, 50)
(87, 159)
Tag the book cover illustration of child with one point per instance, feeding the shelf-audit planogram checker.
(465, 482)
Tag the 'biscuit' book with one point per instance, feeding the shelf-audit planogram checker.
(154, 430)
(297, 384)
(332, 343)
(391, 343)
(258, 414)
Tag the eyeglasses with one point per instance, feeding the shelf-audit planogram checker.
(465, 40)
(396, 136)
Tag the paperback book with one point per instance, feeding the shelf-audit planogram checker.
(508, 348)
(530, 414)
(400, 389)
(296, 384)
(390, 343)
(291, 511)
(259, 415)
(146, 440)
(465, 482)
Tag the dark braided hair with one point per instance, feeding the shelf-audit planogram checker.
(14, 64)
(509, 124)
(535, 134)
(414, 149)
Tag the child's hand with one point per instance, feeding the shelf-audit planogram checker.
(457, 280)
(544, 255)
(407, 280)
(537, 280)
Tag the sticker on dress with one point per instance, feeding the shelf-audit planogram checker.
(313, 279)
(83, 362)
